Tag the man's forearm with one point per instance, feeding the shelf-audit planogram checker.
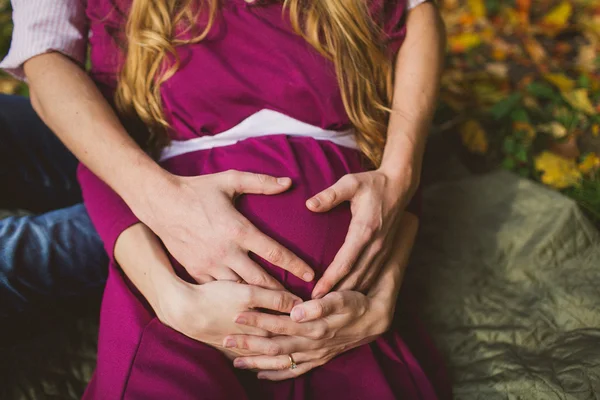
(68, 101)
(417, 78)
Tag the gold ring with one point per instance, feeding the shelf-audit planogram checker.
(293, 364)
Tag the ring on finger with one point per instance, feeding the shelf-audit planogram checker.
(293, 364)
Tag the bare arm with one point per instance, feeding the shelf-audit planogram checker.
(379, 197)
(417, 80)
(68, 101)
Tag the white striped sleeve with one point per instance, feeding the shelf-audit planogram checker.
(413, 3)
(41, 26)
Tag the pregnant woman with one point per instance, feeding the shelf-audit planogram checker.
(301, 91)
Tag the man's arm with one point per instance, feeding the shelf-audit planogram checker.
(69, 102)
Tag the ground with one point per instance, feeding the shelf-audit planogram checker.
(521, 90)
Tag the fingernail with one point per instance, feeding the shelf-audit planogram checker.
(239, 363)
(298, 314)
(314, 202)
(308, 277)
(283, 181)
(229, 343)
(260, 376)
(241, 321)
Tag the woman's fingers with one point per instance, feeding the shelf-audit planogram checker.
(253, 344)
(301, 369)
(253, 274)
(269, 363)
(283, 325)
(273, 252)
(239, 182)
(313, 310)
(275, 300)
(343, 190)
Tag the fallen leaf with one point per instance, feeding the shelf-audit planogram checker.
(595, 130)
(477, 7)
(535, 50)
(557, 172)
(559, 16)
(580, 100)
(474, 137)
(561, 81)
(556, 129)
(464, 42)
(590, 163)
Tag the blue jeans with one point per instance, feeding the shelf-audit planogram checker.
(55, 254)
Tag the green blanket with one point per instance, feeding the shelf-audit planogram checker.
(510, 272)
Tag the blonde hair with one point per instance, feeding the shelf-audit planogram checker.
(341, 30)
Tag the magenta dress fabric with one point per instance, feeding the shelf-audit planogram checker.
(251, 61)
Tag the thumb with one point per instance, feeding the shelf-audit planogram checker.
(238, 182)
(342, 190)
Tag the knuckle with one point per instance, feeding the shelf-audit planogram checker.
(237, 230)
(329, 195)
(279, 329)
(318, 333)
(338, 298)
(275, 255)
(273, 350)
(257, 280)
(262, 178)
(378, 246)
(351, 180)
(280, 302)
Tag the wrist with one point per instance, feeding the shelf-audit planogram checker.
(148, 183)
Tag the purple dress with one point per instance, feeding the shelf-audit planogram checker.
(251, 61)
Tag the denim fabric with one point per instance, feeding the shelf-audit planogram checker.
(55, 253)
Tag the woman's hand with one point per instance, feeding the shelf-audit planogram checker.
(196, 220)
(377, 201)
(338, 322)
(319, 330)
(207, 312)
(202, 312)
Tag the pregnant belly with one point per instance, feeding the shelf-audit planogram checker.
(313, 166)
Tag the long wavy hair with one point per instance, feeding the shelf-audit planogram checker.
(343, 31)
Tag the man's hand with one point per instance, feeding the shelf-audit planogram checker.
(196, 219)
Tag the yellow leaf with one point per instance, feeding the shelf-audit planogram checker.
(595, 130)
(557, 172)
(590, 162)
(580, 100)
(561, 81)
(553, 128)
(477, 8)
(463, 42)
(535, 50)
(559, 16)
(474, 137)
